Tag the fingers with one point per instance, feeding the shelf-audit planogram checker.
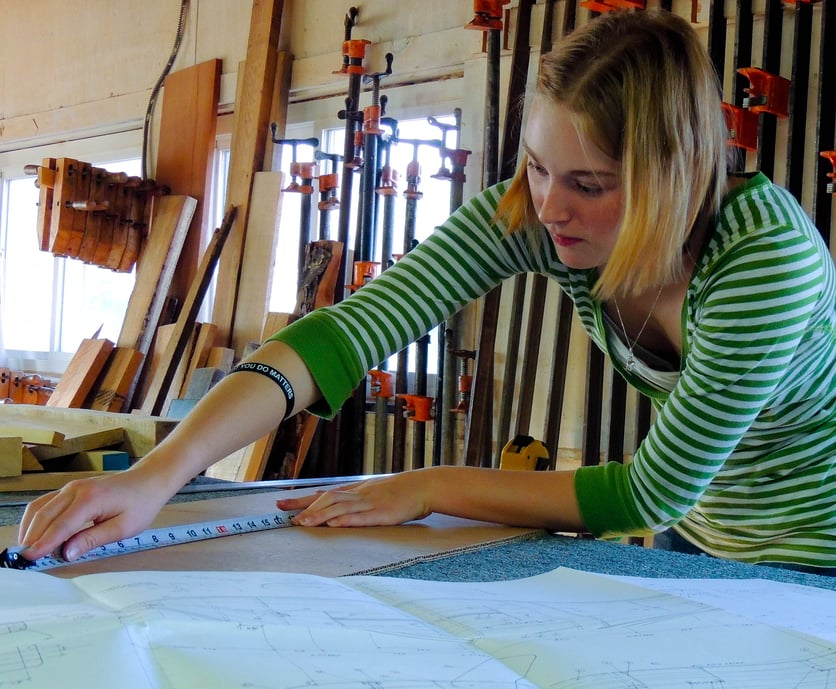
(81, 516)
(334, 508)
(50, 520)
(53, 519)
(371, 503)
(93, 537)
(300, 503)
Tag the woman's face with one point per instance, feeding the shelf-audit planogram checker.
(575, 188)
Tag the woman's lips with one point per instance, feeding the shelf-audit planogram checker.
(563, 240)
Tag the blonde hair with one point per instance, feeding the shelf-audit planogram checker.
(643, 89)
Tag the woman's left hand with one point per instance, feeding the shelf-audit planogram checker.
(377, 502)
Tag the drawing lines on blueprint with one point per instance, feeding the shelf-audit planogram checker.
(259, 631)
(571, 629)
(239, 630)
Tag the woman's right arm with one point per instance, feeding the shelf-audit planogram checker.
(241, 408)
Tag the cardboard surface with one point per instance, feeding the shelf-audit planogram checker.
(323, 551)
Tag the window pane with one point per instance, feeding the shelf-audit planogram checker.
(48, 303)
(28, 273)
(95, 299)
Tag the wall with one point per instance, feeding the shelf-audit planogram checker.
(70, 69)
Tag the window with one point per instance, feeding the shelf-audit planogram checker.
(431, 211)
(49, 304)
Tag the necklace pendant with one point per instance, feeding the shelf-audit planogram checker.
(630, 364)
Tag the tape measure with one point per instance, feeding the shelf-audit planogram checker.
(524, 453)
(151, 539)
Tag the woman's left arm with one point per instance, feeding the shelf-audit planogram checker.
(532, 499)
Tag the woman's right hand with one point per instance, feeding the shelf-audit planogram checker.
(88, 513)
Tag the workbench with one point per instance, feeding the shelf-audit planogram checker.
(462, 603)
(436, 548)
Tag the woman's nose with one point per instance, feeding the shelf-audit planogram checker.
(555, 207)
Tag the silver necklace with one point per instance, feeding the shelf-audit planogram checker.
(630, 364)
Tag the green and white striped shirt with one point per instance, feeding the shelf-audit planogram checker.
(742, 454)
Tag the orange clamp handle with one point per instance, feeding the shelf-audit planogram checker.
(364, 271)
(381, 383)
(768, 92)
(743, 127)
(418, 407)
(355, 50)
(487, 15)
(831, 156)
(388, 182)
(610, 5)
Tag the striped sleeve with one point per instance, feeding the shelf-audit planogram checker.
(461, 261)
(751, 308)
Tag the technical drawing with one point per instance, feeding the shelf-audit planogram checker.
(290, 631)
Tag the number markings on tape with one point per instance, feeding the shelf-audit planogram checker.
(152, 539)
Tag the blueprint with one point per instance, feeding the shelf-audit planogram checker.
(160, 630)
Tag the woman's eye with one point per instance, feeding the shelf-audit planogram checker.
(587, 190)
(539, 169)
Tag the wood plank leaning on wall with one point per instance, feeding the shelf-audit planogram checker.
(249, 139)
(186, 149)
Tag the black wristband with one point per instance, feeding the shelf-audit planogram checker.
(274, 375)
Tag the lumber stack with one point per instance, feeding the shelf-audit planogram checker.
(42, 448)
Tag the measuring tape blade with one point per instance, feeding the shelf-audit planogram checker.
(151, 539)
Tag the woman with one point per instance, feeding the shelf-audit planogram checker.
(713, 295)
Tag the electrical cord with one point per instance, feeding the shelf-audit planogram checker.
(181, 24)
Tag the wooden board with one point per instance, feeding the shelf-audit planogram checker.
(154, 273)
(258, 258)
(278, 109)
(30, 431)
(204, 337)
(274, 322)
(118, 378)
(180, 363)
(81, 374)
(152, 363)
(77, 439)
(220, 357)
(11, 456)
(186, 149)
(252, 115)
(48, 480)
(158, 390)
(141, 433)
(30, 462)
